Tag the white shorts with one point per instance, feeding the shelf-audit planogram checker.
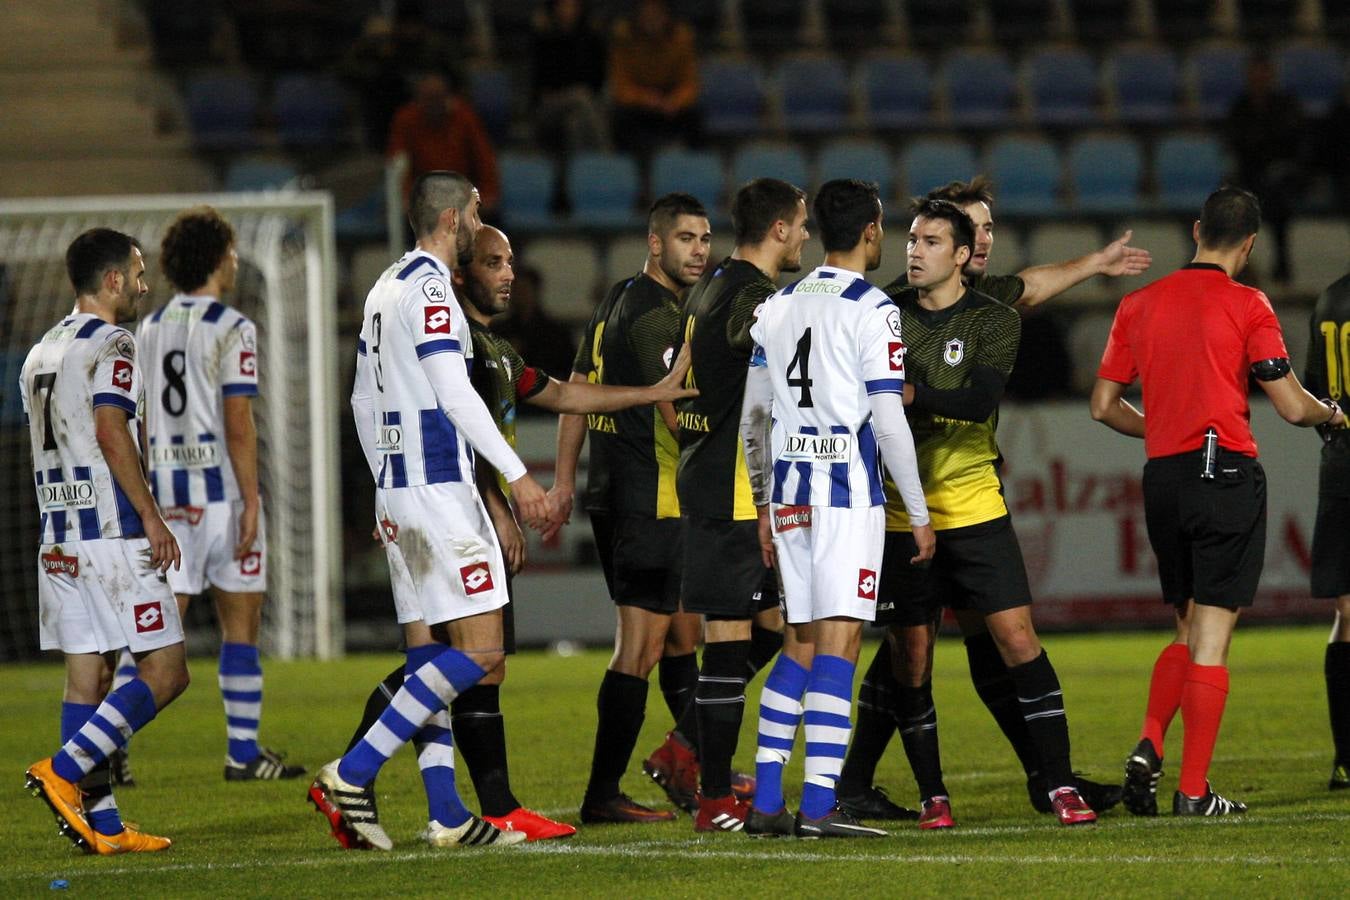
(99, 596)
(829, 559)
(207, 536)
(444, 560)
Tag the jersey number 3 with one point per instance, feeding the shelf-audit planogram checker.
(801, 364)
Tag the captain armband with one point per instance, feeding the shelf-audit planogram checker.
(1272, 369)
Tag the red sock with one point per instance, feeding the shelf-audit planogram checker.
(1202, 702)
(1164, 693)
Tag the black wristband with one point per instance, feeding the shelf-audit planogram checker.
(1331, 405)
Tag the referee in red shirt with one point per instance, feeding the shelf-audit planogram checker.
(1192, 339)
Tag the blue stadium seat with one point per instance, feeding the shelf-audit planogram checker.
(1062, 85)
(1105, 171)
(603, 188)
(1146, 84)
(815, 92)
(930, 163)
(310, 110)
(1219, 73)
(260, 175)
(490, 93)
(981, 89)
(857, 158)
(1187, 168)
(732, 95)
(897, 91)
(528, 184)
(365, 220)
(222, 110)
(770, 159)
(697, 172)
(1026, 173)
(1312, 72)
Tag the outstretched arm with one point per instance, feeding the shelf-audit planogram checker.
(1115, 259)
(1110, 407)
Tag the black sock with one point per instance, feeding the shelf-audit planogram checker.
(376, 704)
(916, 716)
(480, 734)
(764, 646)
(621, 705)
(1042, 704)
(678, 677)
(1337, 669)
(995, 687)
(720, 705)
(874, 722)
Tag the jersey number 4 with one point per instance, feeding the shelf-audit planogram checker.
(801, 364)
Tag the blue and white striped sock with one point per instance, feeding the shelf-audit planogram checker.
(122, 713)
(100, 806)
(427, 691)
(780, 711)
(241, 687)
(126, 668)
(829, 699)
(436, 758)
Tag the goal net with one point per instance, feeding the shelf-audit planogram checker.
(286, 285)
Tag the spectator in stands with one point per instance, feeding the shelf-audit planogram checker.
(653, 80)
(568, 59)
(550, 344)
(438, 129)
(1266, 133)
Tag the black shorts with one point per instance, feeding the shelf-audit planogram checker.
(977, 567)
(647, 561)
(724, 573)
(1209, 535)
(602, 529)
(1331, 543)
(509, 618)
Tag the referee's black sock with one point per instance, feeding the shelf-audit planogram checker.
(917, 717)
(764, 646)
(720, 704)
(995, 687)
(1337, 669)
(678, 677)
(376, 704)
(478, 728)
(875, 723)
(622, 705)
(1042, 704)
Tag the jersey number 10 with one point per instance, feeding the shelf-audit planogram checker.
(1338, 358)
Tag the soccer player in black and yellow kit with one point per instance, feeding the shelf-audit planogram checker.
(503, 379)
(1328, 375)
(961, 348)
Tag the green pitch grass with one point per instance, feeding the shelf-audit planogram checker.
(263, 840)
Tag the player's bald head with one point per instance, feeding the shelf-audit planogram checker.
(490, 241)
(432, 194)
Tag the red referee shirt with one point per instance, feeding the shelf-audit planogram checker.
(1190, 339)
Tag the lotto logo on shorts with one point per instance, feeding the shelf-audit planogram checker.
(250, 563)
(897, 356)
(248, 363)
(867, 584)
(476, 577)
(121, 376)
(786, 518)
(149, 617)
(57, 563)
(437, 320)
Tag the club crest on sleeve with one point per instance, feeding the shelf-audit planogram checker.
(896, 349)
(867, 584)
(433, 290)
(954, 352)
(893, 321)
(121, 374)
(149, 617)
(248, 363)
(125, 346)
(437, 320)
(476, 577)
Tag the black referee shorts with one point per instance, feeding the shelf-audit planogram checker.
(977, 567)
(647, 561)
(724, 573)
(1331, 534)
(1209, 535)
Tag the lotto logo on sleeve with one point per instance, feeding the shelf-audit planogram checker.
(867, 584)
(897, 355)
(149, 617)
(248, 363)
(476, 577)
(250, 563)
(437, 320)
(121, 374)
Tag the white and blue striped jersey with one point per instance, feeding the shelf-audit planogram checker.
(81, 363)
(828, 341)
(413, 436)
(196, 351)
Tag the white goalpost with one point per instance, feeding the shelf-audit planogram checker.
(287, 285)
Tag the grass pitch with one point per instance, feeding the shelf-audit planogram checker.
(263, 840)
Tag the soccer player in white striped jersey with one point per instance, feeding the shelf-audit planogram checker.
(104, 547)
(822, 411)
(201, 377)
(420, 422)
